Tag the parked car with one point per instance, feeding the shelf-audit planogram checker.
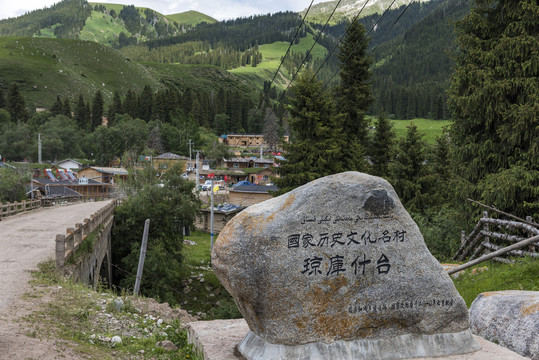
(207, 184)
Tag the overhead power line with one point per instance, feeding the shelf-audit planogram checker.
(282, 60)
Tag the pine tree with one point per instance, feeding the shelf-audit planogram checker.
(56, 108)
(145, 104)
(407, 167)
(130, 104)
(66, 108)
(80, 117)
(318, 141)
(2, 99)
(15, 104)
(382, 146)
(354, 96)
(115, 108)
(97, 110)
(494, 97)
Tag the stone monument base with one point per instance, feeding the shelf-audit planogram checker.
(407, 346)
(218, 340)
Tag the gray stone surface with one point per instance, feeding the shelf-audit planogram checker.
(218, 339)
(510, 318)
(337, 260)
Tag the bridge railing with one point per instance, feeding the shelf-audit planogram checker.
(17, 207)
(67, 244)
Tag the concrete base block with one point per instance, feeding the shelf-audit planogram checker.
(406, 346)
(220, 340)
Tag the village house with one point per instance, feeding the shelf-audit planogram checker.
(164, 162)
(246, 140)
(107, 175)
(247, 195)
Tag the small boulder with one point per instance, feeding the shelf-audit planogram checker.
(509, 318)
(167, 345)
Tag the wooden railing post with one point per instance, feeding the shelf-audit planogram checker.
(60, 252)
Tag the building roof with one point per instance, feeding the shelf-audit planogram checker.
(110, 170)
(246, 160)
(260, 189)
(66, 160)
(60, 191)
(171, 156)
(47, 181)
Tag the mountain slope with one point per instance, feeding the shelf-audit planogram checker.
(350, 8)
(109, 24)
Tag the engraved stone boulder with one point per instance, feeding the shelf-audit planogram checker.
(337, 269)
(509, 318)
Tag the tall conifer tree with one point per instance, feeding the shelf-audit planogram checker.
(494, 99)
(97, 109)
(15, 104)
(354, 95)
(316, 149)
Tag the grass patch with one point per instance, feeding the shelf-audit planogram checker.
(205, 297)
(86, 321)
(428, 127)
(103, 28)
(519, 276)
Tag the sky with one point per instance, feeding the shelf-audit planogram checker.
(218, 9)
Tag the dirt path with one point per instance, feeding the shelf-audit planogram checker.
(26, 240)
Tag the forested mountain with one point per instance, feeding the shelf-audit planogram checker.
(108, 24)
(408, 45)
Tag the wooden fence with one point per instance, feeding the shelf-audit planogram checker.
(493, 238)
(18, 207)
(66, 245)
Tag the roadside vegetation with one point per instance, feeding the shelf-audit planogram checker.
(103, 324)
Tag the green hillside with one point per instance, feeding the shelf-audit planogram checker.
(191, 18)
(103, 28)
(45, 68)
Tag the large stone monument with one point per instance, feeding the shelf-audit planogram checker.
(337, 269)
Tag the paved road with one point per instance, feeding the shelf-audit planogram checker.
(28, 239)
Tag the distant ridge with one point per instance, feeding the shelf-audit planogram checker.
(191, 17)
(349, 8)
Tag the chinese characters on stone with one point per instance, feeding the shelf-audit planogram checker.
(337, 265)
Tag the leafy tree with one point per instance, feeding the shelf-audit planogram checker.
(15, 104)
(97, 109)
(494, 98)
(13, 184)
(271, 129)
(5, 119)
(382, 146)
(18, 143)
(169, 207)
(353, 95)
(60, 138)
(317, 147)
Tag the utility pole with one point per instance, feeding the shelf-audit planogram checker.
(39, 148)
(196, 166)
(190, 143)
(142, 256)
(211, 216)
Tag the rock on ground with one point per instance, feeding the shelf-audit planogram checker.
(510, 318)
